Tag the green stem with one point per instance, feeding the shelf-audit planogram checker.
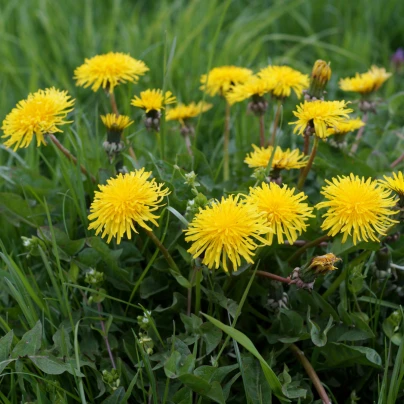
(276, 122)
(306, 170)
(163, 250)
(311, 373)
(334, 286)
(226, 139)
(301, 250)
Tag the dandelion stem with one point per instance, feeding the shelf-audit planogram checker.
(397, 161)
(188, 143)
(226, 138)
(306, 170)
(301, 250)
(113, 103)
(114, 108)
(163, 250)
(276, 122)
(273, 277)
(359, 135)
(306, 145)
(70, 156)
(262, 131)
(311, 373)
(105, 334)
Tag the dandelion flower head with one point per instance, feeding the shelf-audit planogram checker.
(320, 115)
(125, 201)
(40, 114)
(253, 87)
(229, 229)
(394, 183)
(346, 126)
(324, 263)
(283, 159)
(184, 112)
(285, 212)
(116, 123)
(153, 100)
(221, 79)
(284, 79)
(109, 70)
(356, 207)
(367, 82)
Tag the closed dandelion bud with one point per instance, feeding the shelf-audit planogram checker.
(115, 125)
(194, 205)
(320, 76)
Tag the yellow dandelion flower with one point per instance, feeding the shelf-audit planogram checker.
(116, 123)
(283, 159)
(226, 229)
(222, 79)
(346, 126)
(153, 100)
(367, 82)
(253, 87)
(357, 208)
(395, 183)
(41, 113)
(109, 70)
(126, 200)
(284, 79)
(286, 213)
(320, 115)
(184, 112)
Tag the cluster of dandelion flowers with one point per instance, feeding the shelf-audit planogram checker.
(365, 83)
(356, 207)
(320, 116)
(125, 201)
(182, 112)
(109, 70)
(221, 79)
(286, 213)
(254, 88)
(282, 160)
(284, 79)
(40, 114)
(153, 100)
(229, 229)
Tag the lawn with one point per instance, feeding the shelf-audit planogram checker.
(155, 255)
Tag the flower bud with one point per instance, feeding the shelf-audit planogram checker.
(320, 76)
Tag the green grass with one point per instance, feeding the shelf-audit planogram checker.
(46, 198)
